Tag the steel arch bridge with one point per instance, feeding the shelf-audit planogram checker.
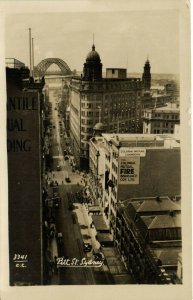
(41, 68)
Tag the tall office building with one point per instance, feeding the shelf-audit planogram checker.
(24, 177)
(113, 100)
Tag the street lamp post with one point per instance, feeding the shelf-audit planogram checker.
(97, 173)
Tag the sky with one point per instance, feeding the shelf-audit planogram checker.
(123, 39)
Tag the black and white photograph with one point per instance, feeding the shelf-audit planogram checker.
(97, 145)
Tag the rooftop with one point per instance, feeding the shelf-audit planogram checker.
(168, 107)
(162, 221)
(157, 87)
(141, 140)
(152, 204)
(168, 256)
(98, 141)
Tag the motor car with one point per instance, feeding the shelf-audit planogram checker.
(70, 205)
(57, 202)
(58, 168)
(66, 157)
(98, 255)
(87, 247)
(67, 179)
(60, 238)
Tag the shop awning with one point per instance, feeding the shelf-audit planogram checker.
(99, 223)
(94, 209)
(104, 237)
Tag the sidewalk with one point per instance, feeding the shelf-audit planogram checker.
(114, 262)
(116, 266)
(88, 233)
(54, 253)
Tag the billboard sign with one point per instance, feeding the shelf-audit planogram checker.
(129, 170)
(135, 151)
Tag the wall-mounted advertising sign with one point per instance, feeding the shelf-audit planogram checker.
(24, 178)
(129, 170)
(135, 151)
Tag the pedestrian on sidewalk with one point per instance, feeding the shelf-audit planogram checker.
(55, 264)
(52, 267)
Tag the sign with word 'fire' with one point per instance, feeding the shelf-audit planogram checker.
(129, 170)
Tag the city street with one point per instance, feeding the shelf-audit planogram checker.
(73, 224)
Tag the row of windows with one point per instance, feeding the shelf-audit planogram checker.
(165, 124)
(84, 146)
(90, 113)
(87, 129)
(87, 122)
(114, 180)
(91, 97)
(162, 131)
(127, 85)
(167, 116)
(108, 157)
(113, 204)
(117, 104)
(122, 97)
(74, 109)
(115, 168)
(111, 97)
(90, 105)
(114, 116)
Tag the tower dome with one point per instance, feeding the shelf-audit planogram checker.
(93, 55)
(99, 128)
(92, 67)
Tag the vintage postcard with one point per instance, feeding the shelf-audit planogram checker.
(96, 189)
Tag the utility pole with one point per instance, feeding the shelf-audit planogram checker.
(99, 107)
(118, 126)
(30, 58)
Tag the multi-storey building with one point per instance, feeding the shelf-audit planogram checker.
(96, 167)
(25, 176)
(151, 101)
(172, 89)
(114, 100)
(148, 236)
(161, 119)
(131, 169)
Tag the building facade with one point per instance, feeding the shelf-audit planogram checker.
(152, 101)
(161, 119)
(148, 236)
(25, 170)
(96, 168)
(114, 100)
(131, 164)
